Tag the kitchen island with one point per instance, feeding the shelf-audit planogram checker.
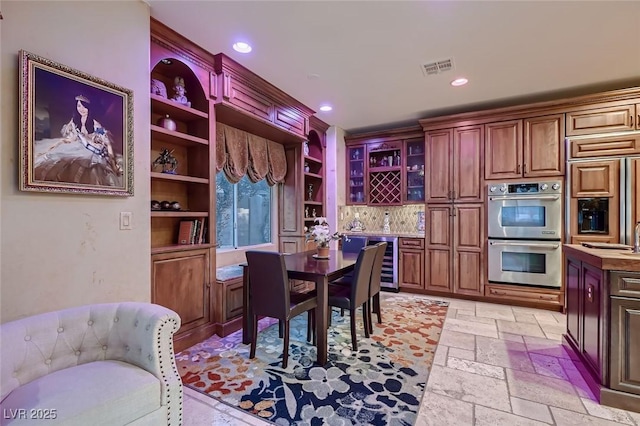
(602, 294)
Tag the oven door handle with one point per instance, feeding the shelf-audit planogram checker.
(532, 245)
(524, 197)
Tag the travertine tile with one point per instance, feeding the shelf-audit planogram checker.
(553, 329)
(462, 354)
(451, 312)
(530, 409)
(471, 327)
(440, 410)
(545, 347)
(576, 379)
(476, 367)
(608, 413)
(456, 339)
(473, 318)
(205, 399)
(525, 317)
(495, 312)
(510, 337)
(490, 417)
(569, 418)
(546, 317)
(466, 312)
(548, 366)
(440, 357)
(542, 389)
(469, 387)
(503, 353)
(522, 328)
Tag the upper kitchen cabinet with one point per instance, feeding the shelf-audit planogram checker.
(530, 147)
(386, 167)
(604, 118)
(454, 164)
(240, 94)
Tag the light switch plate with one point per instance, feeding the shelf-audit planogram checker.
(126, 221)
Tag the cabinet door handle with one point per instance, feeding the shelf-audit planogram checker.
(631, 121)
(518, 169)
(448, 195)
(453, 196)
(525, 167)
(590, 293)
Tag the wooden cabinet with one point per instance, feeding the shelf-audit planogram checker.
(313, 159)
(604, 119)
(530, 296)
(411, 263)
(356, 175)
(181, 273)
(455, 249)
(592, 183)
(414, 177)
(531, 147)
(454, 164)
(385, 173)
(181, 281)
(392, 168)
(228, 305)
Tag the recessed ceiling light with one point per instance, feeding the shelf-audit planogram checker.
(166, 61)
(241, 47)
(326, 108)
(459, 82)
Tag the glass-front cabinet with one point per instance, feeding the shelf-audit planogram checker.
(414, 176)
(356, 170)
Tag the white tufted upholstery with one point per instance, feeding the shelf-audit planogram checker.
(139, 334)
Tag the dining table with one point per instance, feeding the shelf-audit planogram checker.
(305, 266)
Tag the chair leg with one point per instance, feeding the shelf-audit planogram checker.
(254, 337)
(280, 329)
(354, 343)
(369, 324)
(366, 318)
(376, 307)
(285, 348)
(311, 322)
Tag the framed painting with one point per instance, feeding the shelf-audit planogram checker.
(76, 131)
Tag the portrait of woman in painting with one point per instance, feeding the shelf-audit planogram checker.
(84, 152)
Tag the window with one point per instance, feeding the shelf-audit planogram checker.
(243, 212)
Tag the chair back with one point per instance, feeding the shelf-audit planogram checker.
(269, 289)
(362, 275)
(376, 271)
(351, 244)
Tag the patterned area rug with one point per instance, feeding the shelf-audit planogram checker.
(381, 384)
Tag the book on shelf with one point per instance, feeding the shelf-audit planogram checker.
(192, 231)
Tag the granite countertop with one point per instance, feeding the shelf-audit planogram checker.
(605, 259)
(392, 234)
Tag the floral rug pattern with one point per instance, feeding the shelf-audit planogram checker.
(381, 384)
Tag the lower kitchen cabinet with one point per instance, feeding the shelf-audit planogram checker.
(181, 281)
(455, 249)
(228, 305)
(411, 253)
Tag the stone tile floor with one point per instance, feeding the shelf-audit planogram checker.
(495, 365)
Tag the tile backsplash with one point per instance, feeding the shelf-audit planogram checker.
(402, 219)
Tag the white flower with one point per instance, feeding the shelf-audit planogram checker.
(321, 233)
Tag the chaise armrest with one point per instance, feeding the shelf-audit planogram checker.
(134, 332)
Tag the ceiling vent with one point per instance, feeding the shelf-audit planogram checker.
(437, 67)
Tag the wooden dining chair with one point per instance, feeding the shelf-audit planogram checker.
(375, 284)
(353, 296)
(272, 297)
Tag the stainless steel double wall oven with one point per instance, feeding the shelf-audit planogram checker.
(525, 232)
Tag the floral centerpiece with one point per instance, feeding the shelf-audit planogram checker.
(322, 236)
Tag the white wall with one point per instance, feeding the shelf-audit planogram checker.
(59, 251)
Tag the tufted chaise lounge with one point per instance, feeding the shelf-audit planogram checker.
(106, 364)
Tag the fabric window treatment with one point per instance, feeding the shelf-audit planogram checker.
(239, 153)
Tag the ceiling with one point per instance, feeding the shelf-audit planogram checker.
(365, 58)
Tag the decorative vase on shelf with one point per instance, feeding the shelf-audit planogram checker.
(322, 251)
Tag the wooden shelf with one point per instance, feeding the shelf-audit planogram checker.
(313, 203)
(313, 159)
(313, 175)
(160, 134)
(175, 110)
(179, 178)
(166, 213)
(179, 247)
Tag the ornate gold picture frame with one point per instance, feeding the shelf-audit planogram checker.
(76, 132)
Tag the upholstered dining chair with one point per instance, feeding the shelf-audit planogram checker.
(374, 284)
(272, 297)
(353, 296)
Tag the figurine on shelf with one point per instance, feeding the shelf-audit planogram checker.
(180, 92)
(355, 225)
(310, 192)
(305, 148)
(167, 161)
(306, 167)
(313, 213)
(306, 211)
(158, 88)
(386, 228)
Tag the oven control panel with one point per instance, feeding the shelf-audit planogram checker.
(547, 187)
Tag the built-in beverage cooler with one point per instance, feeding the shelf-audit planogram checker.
(389, 277)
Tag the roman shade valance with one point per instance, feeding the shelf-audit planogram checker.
(239, 153)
